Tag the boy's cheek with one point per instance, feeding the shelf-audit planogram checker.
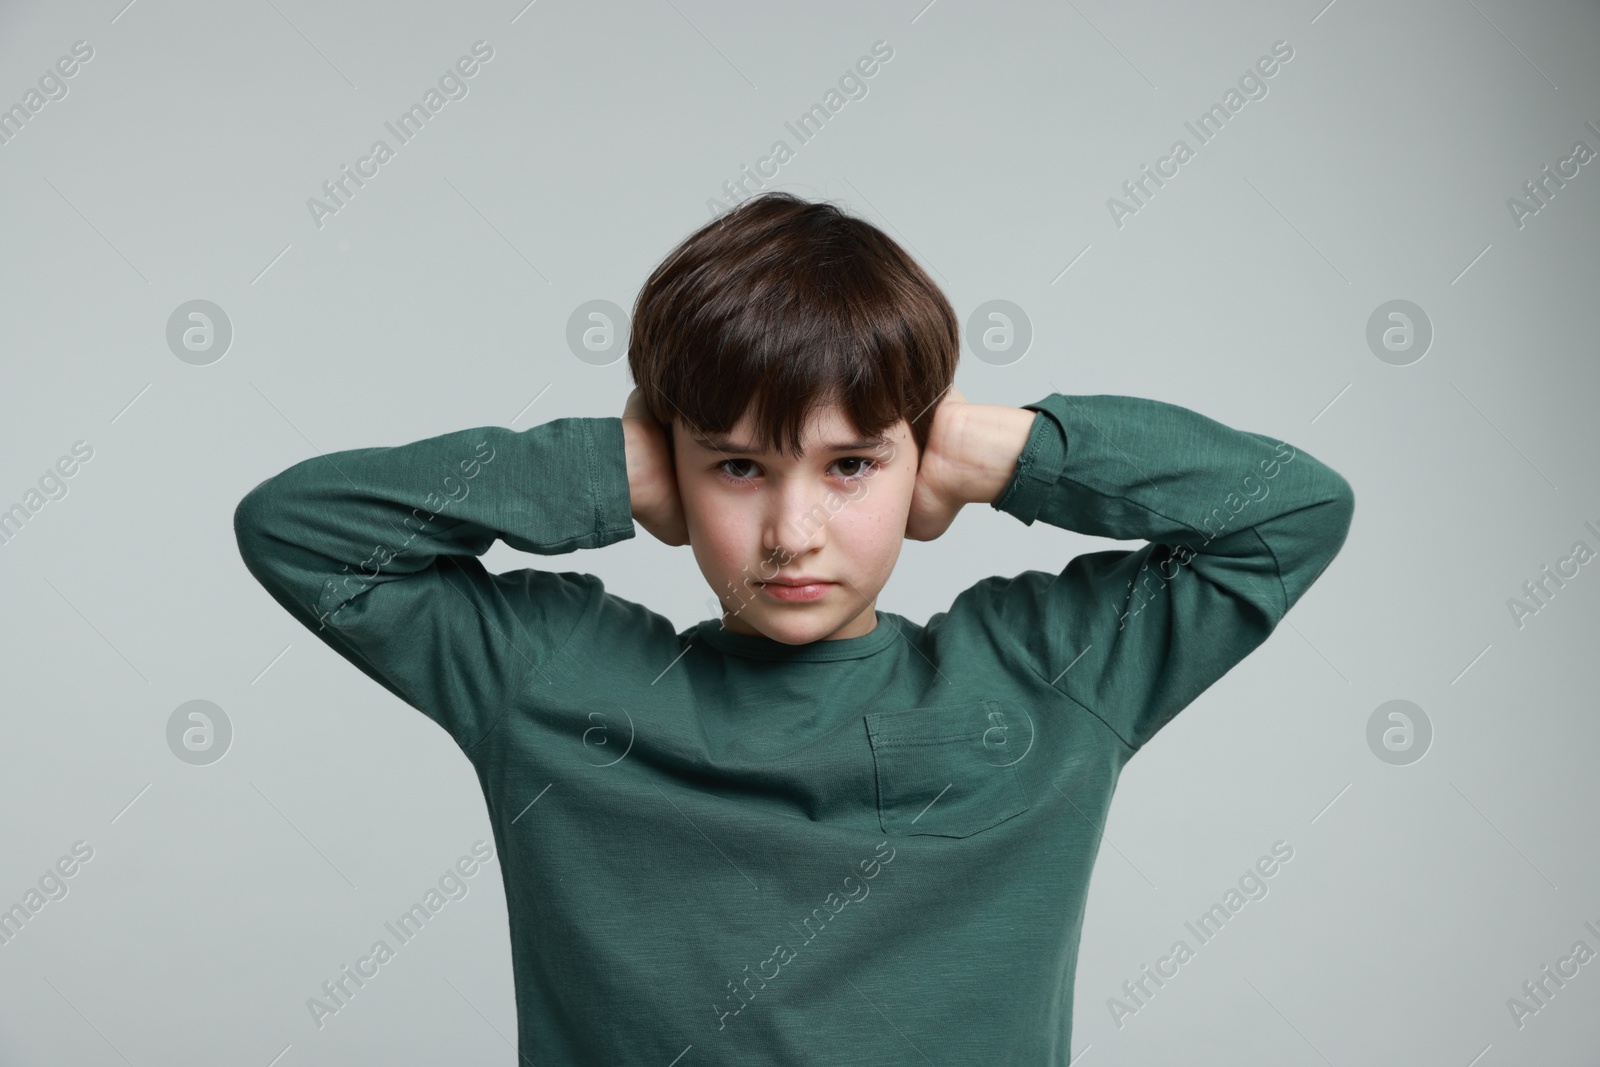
(716, 550)
(883, 507)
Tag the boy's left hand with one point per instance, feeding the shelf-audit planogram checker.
(936, 499)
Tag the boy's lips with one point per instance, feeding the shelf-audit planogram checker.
(796, 589)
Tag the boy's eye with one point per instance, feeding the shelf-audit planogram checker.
(852, 468)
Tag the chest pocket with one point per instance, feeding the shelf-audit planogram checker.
(944, 770)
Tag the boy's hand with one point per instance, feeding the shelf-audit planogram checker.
(970, 459)
(936, 499)
(652, 482)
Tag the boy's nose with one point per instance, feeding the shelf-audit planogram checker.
(797, 522)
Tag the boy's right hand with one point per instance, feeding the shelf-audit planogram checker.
(652, 482)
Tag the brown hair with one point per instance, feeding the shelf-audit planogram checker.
(780, 306)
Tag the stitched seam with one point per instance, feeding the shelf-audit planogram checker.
(594, 477)
(908, 742)
(1027, 460)
(1277, 566)
(1277, 570)
(1078, 703)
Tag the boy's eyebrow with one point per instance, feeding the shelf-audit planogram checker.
(722, 444)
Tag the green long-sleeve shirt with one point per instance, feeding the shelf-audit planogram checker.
(720, 849)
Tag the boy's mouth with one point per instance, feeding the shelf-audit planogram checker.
(792, 590)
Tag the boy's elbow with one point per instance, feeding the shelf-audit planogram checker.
(1342, 506)
(251, 520)
(247, 513)
(1318, 537)
(1327, 535)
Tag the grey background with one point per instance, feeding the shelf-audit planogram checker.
(1378, 167)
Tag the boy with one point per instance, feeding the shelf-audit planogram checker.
(810, 831)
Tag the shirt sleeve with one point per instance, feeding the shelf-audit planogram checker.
(1238, 526)
(375, 551)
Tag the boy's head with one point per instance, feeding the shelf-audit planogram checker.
(780, 329)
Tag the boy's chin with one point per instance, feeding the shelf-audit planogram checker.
(784, 631)
(796, 628)
(796, 633)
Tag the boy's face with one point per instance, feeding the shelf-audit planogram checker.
(837, 514)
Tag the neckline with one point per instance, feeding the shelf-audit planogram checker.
(757, 646)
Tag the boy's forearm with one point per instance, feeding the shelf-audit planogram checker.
(991, 438)
(325, 530)
(1227, 501)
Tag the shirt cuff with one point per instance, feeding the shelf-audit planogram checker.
(607, 460)
(1039, 466)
